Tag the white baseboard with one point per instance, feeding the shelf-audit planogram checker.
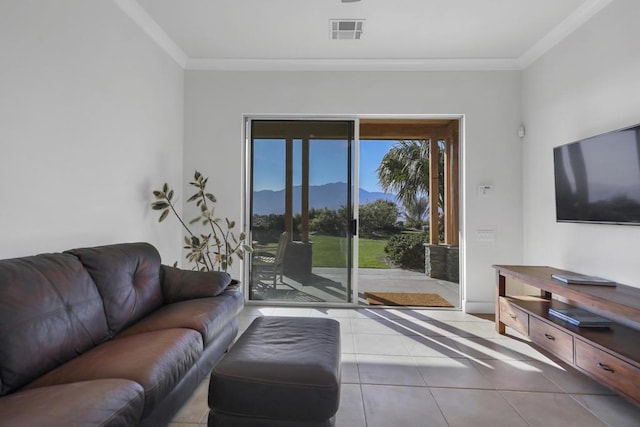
(478, 306)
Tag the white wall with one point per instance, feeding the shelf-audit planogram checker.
(90, 122)
(586, 85)
(490, 102)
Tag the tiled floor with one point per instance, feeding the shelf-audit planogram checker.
(410, 368)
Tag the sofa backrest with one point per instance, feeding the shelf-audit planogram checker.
(128, 278)
(50, 312)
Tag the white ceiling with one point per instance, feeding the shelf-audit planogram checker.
(398, 34)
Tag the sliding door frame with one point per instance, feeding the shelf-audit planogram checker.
(355, 176)
(353, 181)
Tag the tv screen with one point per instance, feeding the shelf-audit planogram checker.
(598, 179)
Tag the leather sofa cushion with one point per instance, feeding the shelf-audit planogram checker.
(100, 403)
(180, 285)
(281, 368)
(206, 315)
(156, 360)
(50, 312)
(128, 278)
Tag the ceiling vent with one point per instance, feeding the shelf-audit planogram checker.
(345, 29)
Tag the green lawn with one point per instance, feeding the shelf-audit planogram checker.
(329, 251)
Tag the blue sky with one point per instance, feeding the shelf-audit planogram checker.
(328, 163)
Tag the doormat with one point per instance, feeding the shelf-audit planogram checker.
(406, 299)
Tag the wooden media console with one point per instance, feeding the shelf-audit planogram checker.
(609, 355)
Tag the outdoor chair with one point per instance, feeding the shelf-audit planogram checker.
(271, 264)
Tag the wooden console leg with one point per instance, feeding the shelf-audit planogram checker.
(500, 292)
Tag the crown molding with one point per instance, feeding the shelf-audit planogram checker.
(140, 16)
(352, 64)
(571, 23)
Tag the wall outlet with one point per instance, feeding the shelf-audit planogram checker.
(485, 190)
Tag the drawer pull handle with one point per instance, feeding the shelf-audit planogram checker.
(513, 316)
(550, 337)
(605, 367)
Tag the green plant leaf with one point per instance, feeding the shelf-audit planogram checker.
(163, 215)
(170, 195)
(165, 187)
(242, 236)
(192, 198)
(247, 248)
(158, 194)
(157, 206)
(211, 197)
(197, 175)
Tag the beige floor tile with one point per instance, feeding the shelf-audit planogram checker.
(347, 344)
(291, 312)
(391, 370)
(451, 372)
(331, 312)
(349, 369)
(380, 344)
(432, 346)
(476, 329)
(551, 410)
(463, 408)
(351, 410)
(515, 375)
(244, 322)
(373, 326)
(441, 315)
(255, 310)
(485, 348)
(400, 406)
(613, 410)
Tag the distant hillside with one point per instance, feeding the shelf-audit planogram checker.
(331, 196)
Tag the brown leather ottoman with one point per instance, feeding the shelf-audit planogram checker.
(283, 371)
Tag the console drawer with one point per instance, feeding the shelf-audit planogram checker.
(513, 316)
(551, 338)
(609, 369)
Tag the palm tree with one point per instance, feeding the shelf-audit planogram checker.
(415, 211)
(404, 170)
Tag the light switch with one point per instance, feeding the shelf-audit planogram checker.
(485, 235)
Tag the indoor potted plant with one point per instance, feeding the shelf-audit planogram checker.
(215, 248)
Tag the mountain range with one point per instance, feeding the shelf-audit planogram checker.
(331, 196)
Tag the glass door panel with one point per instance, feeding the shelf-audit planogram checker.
(301, 210)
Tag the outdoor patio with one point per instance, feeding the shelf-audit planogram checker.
(328, 285)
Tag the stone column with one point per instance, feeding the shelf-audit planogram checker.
(453, 264)
(435, 261)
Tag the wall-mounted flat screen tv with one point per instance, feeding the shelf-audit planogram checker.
(597, 179)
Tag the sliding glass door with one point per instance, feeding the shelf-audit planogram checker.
(301, 210)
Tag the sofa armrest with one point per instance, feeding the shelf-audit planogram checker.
(180, 285)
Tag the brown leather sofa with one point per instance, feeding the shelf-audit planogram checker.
(107, 336)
